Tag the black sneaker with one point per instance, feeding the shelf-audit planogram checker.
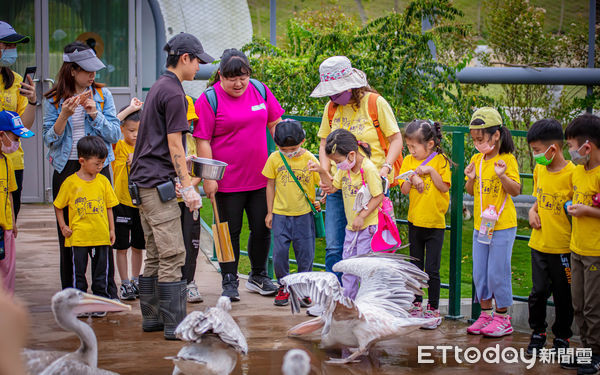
(589, 369)
(537, 342)
(569, 362)
(136, 287)
(230, 287)
(261, 284)
(127, 292)
(98, 314)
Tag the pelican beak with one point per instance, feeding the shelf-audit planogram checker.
(90, 303)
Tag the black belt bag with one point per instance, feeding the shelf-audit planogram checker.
(166, 191)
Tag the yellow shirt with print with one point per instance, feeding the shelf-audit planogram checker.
(289, 200)
(493, 192)
(8, 184)
(552, 190)
(120, 172)
(351, 186)
(88, 202)
(585, 239)
(11, 100)
(359, 123)
(428, 209)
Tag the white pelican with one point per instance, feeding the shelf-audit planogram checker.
(296, 362)
(215, 341)
(379, 311)
(66, 304)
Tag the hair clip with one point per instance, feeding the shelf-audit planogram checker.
(334, 148)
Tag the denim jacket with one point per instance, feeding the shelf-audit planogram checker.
(106, 125)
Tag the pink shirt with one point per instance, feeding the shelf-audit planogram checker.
(238, 135)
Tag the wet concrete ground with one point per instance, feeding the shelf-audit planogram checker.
(125, 349)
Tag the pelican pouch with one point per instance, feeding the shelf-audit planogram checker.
(166, 191)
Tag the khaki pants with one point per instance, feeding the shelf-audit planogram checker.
(585, 290)
(165, 250)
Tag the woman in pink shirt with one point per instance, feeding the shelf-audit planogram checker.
(233, 130)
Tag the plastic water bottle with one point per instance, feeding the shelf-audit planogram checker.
(488, 222)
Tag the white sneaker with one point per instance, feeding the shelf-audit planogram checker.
(193, 296)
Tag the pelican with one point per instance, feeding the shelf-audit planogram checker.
(296, 362)
(66, 304)
(388, 286)
(215, 341)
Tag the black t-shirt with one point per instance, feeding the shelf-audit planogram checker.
(165, 112)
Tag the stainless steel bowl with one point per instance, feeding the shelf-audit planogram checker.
(207, 168)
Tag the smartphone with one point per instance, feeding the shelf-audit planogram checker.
(30, 70)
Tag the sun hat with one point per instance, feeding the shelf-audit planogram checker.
(338, 75)
(11, 122)
(289, 133)
(488, 115)
(187, 43)
(9, 35)
(86, 59)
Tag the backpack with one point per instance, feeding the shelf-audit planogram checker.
(98, 90)
(372, 109)
(211, 96)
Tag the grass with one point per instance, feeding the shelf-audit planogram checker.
(521, 256)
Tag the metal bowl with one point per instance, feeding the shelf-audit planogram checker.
(207, 168)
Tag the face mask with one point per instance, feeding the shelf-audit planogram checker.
(292, 154)
(9, 56)
(346, 165)
(541, 158)
(342, 98)
(14, 146)
(484, 148)
(577, 158)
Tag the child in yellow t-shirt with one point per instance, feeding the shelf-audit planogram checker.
(91, 231)
(356, 173)
(550, 235)
(11, 129)
(427, 190)
(289, 214)
(128, 225)
(583, 138)
(492, 178)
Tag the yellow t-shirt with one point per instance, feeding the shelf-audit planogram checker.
(585, 239)
(11, 100)
(119, 166)
(351, 186)
(359, 123)
(88, 202)
(289, 200)
(552, 190)
(428, 209)
(8, 184)
(493, 192)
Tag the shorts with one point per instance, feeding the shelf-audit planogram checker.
(128, 228)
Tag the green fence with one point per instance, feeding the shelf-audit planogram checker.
(456, 217)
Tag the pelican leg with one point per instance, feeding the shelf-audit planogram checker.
(349, 359)
(306, 327)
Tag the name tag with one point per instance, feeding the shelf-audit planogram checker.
(258, 107)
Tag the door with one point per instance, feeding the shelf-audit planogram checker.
(108, 27)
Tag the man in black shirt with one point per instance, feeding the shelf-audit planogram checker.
(158, 158)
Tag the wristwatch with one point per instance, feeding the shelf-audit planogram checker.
(389, 166)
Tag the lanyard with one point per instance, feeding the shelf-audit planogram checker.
(362, 177)
(481, 194)
(431, 156)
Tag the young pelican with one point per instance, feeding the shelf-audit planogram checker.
(387, 289)
(66, 305)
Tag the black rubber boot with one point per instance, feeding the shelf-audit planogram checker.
(172, 306)
(148, 289)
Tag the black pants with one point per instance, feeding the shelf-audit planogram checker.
(100, 272)
(66, 256)
(191, 239)
(16, 195)
(426, 245)
(551, 274)
(231, 209)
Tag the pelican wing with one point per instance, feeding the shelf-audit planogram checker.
(323, 288)
(388, 281)
(37, 360)
(73, 366)
(213, 320)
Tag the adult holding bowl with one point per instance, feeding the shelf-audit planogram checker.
(233, 130)
(348, 108)
(77, 106)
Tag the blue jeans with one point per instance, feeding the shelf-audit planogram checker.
(299, 231)
(335, 231)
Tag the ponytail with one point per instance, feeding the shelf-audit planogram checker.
(507, 146)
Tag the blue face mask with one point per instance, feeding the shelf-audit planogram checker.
(9, 56)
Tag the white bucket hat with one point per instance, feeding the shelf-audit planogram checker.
(337, 75)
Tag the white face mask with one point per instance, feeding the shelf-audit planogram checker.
(292, 154)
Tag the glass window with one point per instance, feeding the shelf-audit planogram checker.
(21, 16)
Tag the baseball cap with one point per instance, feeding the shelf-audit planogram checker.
(9, 35)
(187, 43)
(490, 117)
(289, 133)
(86, 59)
(11, 122)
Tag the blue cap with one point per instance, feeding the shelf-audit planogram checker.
(11, 122)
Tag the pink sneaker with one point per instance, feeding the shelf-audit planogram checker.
(484, 319)
(416, 311)
(499, 327)
(432, 313)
